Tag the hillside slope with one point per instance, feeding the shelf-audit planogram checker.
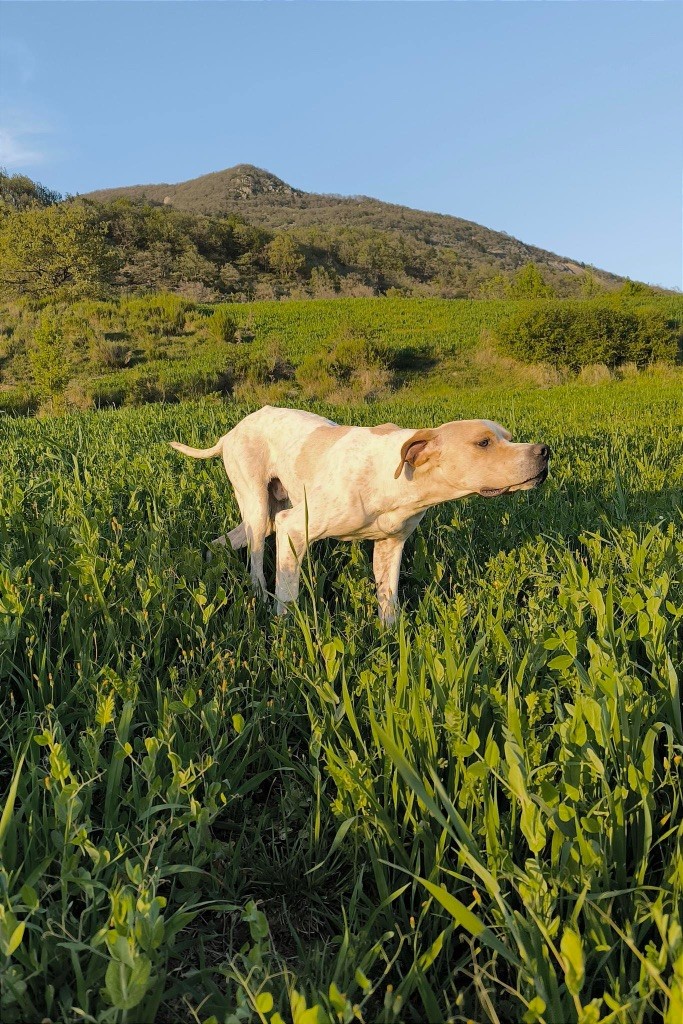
(265, 200)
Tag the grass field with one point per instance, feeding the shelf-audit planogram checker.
(213, 815)
(192, 363)
(436, 340)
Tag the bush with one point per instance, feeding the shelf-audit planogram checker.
(353, 358)
(314, 377)
(111, 354)
(48, 357)
(160, 315)
(161, 383)
(18, 401)
(353, 351)
(221, 325)
(660, 335)
(576, 334)
(595, 373)
(78, 395)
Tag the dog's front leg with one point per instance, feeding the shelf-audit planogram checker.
(386, 563)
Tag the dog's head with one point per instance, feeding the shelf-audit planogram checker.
(473, 457)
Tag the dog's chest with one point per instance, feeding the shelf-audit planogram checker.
(392, 524)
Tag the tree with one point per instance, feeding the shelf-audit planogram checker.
(529, 283)
(285, 257)
(636, 290)
(590, 286)
(56, 248)
(495, 287)
(17, 192)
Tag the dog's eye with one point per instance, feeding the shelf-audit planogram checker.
(485, 443)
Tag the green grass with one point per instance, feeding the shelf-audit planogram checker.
(211, 814)
(194, 363)
(434, 340)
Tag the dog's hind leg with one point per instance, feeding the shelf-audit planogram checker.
(236, 538)
(256, 528)
(243, 460)
(278, 500)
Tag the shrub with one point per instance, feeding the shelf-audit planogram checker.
(353, 351)
(371, 383)
(18, 401)
(48, 357)
(628, 370)
(659, 335)
(324, 283)
(576, 334)
(221, 325)
(111, 354)
(160, 315)
(354, 362)
(78, 395)
(314, 377)
(529, 283)
(267, 366)
(595, 373)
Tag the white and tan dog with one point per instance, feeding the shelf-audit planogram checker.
(306, 478)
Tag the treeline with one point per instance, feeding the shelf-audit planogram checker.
(59, 250)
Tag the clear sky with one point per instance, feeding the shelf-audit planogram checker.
(558, 122)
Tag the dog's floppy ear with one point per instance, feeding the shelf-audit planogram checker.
(416, 450)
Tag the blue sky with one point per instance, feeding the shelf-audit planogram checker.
(559, 123)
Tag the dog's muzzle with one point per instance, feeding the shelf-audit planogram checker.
(541, 453)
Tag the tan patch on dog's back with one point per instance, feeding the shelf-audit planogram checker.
(384, 428)
(314, 449)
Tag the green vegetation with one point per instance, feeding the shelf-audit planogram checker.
(212, 815)
(574, 335)
(55, 250)
(253, 237)
(161, 346)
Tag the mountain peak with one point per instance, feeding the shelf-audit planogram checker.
(245, 181)
(212, 193)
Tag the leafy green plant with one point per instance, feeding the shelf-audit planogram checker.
(49, 357)
(221, 324)
(161, 314)
(112, 354)
(210, 814)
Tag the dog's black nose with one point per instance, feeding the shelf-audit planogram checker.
(542, 450)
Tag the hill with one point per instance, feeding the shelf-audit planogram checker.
(266, 201)
(243, 235)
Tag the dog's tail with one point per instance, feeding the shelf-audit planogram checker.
(199, 453)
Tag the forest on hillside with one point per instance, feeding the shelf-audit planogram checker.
(59, 249)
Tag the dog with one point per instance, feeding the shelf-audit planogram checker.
(305, 477)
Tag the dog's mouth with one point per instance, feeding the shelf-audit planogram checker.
(532, 481)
